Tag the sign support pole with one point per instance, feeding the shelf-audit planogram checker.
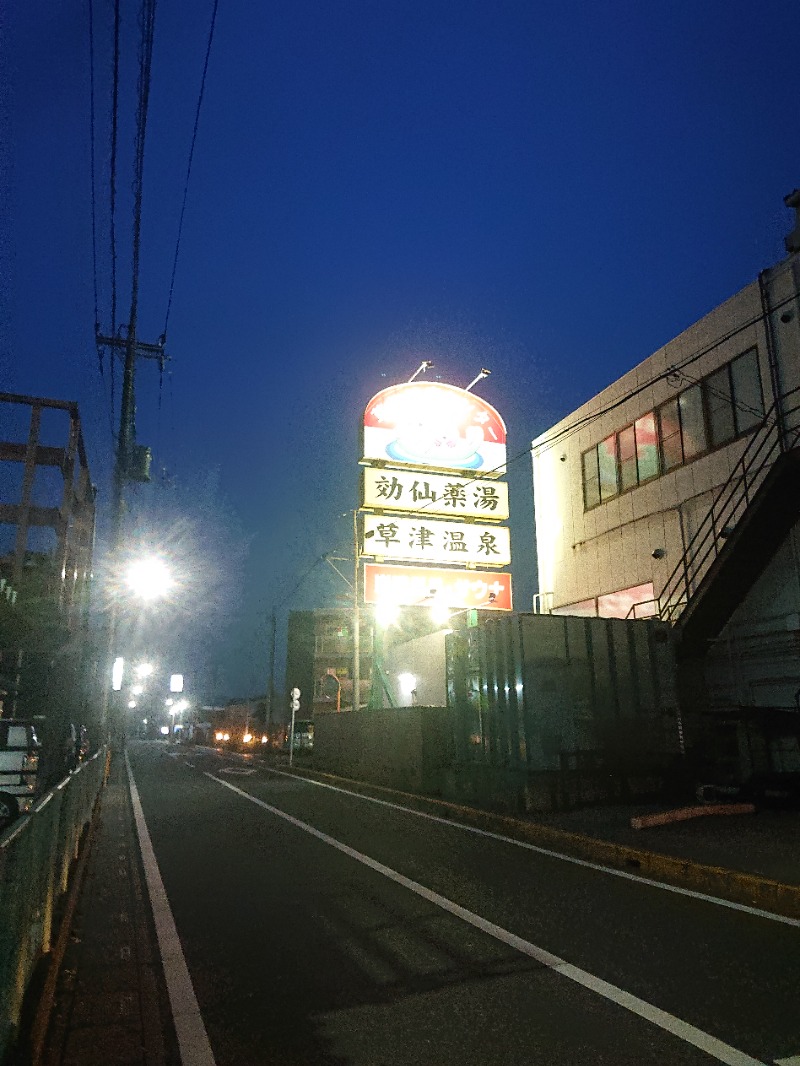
(356, 619)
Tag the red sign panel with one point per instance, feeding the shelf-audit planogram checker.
(426, 585)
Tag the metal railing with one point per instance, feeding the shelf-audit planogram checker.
(778, 433)
(37, 854)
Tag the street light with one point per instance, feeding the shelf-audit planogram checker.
(149, 578)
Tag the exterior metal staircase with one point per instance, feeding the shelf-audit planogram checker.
(748, 519)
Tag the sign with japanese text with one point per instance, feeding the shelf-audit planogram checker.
(436, 426)
(430, 540)
(405, 585)
(435, 494)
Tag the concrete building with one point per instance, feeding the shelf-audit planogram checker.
(674, 493)
(320, 649)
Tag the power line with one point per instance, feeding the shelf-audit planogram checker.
(148, 14)
(675, 369)
(189, 165)
(113, 190)
(94, 194)
(93, 163)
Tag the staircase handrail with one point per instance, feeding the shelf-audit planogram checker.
(703, 547)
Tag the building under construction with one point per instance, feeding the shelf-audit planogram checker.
(47, 519)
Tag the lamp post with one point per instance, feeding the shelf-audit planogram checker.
(147, 579)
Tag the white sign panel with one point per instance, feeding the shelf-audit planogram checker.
(436, 426)
(425, 539)
(435, 494)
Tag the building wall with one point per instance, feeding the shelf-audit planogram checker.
(320, 641)
(588, 553)
(409, 748)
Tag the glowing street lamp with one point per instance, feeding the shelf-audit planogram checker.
(144, 669)
(149, 578)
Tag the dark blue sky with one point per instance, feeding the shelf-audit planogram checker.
(552, 190)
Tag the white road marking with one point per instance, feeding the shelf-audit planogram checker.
(625, 874)
(237, 771)
(793, 1060)
(684, 1031)
(192, 1037)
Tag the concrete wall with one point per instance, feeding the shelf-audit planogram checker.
(407, 748)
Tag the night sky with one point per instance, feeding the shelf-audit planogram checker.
(551, 190)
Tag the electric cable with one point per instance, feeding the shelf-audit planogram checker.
(148, 12)
(674, 369)
(93, 165)
(189, 166)
(113, 191)
(94, 192)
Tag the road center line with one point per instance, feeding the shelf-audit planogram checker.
(675, 1026)
(625, 874)
(190, 1031)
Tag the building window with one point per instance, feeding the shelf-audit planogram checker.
(693, 426)
(710, 413)
(636, 602)
(646, 447)
(607, 457)
(719, 401)
(669, 425)
(591, 479)
(627, 458)
(748, 399)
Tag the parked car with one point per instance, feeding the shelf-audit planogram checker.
(19, 768)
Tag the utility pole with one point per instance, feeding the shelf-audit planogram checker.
(273, 629)
(356, 618)
(126, 437)
(124, 471)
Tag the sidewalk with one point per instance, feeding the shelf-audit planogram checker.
(110, 1006)
(765, 844)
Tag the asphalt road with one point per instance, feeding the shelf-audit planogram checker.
(319, 926)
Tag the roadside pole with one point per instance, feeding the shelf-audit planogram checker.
(295, 709)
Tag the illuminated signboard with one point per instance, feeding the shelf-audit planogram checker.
(436, 426)
(405, 585)
(435, 494)
(430, 540)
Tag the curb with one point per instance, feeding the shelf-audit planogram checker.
(733, 885)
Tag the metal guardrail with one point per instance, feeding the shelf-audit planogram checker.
(37, 855)
(772, 438)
